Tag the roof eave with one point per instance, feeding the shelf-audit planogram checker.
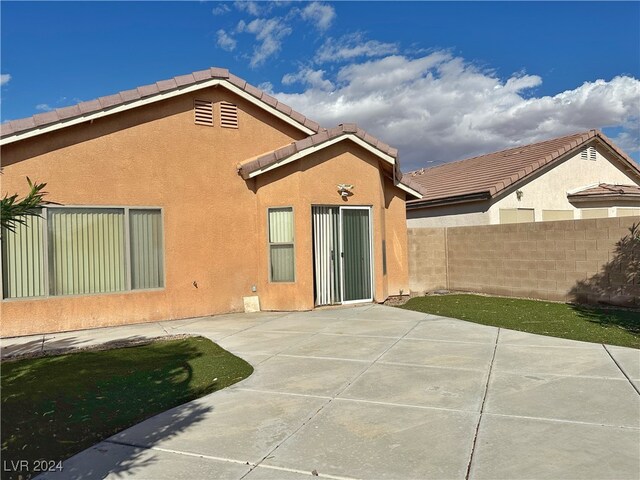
(438, 202)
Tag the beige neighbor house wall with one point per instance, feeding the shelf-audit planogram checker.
(547, 190)
(574, 260)
(215, 247)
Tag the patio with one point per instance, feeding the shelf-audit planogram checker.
(378, 392)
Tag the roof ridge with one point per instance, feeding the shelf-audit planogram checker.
(582, 133)
(124, 97)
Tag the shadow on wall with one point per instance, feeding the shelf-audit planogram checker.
(618, 282)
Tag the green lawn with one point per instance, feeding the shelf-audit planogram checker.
(54, 407)
(588, 324)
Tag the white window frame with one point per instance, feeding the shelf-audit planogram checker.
(44, 213)
(270, 243)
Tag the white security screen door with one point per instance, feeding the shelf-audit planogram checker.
(342, 255)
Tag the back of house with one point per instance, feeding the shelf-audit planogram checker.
(195, 196)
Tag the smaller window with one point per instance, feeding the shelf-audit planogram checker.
(203, 112)
(595, 213)
(228, 115)
(627, 212)
(281, 243)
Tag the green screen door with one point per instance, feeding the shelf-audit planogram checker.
(356, 254)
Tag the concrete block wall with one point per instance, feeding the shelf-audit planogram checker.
(576, 260)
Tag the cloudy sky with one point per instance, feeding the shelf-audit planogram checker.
(439, 81)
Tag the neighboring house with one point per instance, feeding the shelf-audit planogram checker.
(195, 196)
(578, 176)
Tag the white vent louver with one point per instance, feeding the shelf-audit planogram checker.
(203, 112)
(588, 153)
(228, 115)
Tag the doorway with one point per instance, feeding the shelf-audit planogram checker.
(342, 259)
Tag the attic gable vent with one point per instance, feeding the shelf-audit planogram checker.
(203, 112)
(588, 153)
(228, 115)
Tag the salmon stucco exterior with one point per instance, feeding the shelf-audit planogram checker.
(231, 180)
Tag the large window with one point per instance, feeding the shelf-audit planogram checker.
(77, 251)
(281, 245)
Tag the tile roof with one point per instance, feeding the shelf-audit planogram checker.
(485, 176)
(606, 190)
(146, 91)
(248, 167)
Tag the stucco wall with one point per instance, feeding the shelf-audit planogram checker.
(214, 221)
(547, 190)
(565, 261)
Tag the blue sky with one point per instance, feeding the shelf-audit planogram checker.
(441, 81)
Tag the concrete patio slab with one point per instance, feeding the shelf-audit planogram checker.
(262, 342)
(513, 337)
(474, 356)
(380, 441)
(388, 314)
(339, 346)
(522, 448)
(579, 399)
(458, 330)
(112, 461)
(555, 360)
(296, 323)
(373, 328)
(628, 359)
(310, 376)
(235, 424)
(420, 386)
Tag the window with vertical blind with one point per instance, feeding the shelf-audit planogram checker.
(79, 251)
(281, 245)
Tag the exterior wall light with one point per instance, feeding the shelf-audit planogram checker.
(344, 189)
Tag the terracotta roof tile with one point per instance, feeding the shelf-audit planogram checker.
(272, 158)
(164, 85)
(90, 106)
(218, 72)
(494, 172)
(147, 90)
(45, 118)
(607, 189)
(183, 80)
(237, 81)
(109, 101)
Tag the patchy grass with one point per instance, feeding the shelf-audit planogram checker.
(588, 324)
(54, 407)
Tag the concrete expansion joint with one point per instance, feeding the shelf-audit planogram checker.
(484, 399)
(621, 369)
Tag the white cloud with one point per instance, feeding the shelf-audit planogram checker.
(43, 107)
(252, 8)
(352, 46)
(4, 79)
(309, 77)
(221, 9)
(320, 14)
(226, 41)
(269, 33)
(438, 107)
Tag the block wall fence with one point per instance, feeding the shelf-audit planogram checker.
(586, 261)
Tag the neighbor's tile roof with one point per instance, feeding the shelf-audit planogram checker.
(492, 173)
(103, 103)
(247, 167)
(606, 190)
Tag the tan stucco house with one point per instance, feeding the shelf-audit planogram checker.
(584, 175)
(194, 196)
